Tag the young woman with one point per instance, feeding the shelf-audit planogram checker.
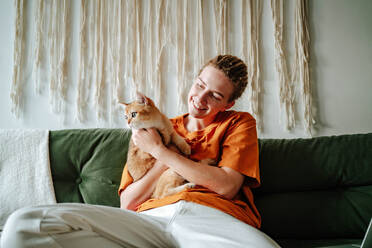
(218, 212)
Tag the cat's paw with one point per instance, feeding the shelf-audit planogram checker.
(181, 144)
(185, 149)
(172, 191)
(190, 185)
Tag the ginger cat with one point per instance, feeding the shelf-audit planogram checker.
(142, 113)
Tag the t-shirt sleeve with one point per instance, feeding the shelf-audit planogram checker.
(126, 180)
(240, 149)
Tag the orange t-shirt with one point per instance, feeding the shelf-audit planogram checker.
(232, 141)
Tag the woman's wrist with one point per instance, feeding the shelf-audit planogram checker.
(158, 151)
(160, 168)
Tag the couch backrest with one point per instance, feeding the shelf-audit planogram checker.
(87, 164)
(316, 188)
(311, 188)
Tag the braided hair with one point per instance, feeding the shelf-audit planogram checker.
(234, 69)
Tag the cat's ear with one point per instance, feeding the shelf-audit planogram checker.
(141, 98)
(123, 104)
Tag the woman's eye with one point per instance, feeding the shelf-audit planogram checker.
(126, 117)
(199, 85)
(134, 114)
(217, 98)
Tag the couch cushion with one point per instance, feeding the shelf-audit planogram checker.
(316, 188)
(322, 243)
(87, 164)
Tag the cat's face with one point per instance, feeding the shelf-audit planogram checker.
(141, 113)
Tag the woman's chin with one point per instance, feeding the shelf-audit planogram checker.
(197, 114)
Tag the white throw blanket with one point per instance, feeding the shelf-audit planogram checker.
(25, 176)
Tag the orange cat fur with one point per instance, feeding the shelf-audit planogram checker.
(142, 113)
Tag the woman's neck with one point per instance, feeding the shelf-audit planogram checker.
(194, 124)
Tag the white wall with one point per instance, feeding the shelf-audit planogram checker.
(341, 72)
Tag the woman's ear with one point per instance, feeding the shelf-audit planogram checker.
(229, 105)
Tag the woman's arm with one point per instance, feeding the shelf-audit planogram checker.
(141, 190)
(222, 180)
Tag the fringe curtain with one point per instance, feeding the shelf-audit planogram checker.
(300, 71)
(189, 44)
(39, 44)
(51, 33)
(182, 52)
(58, 33)
(83, 76)
(220, 16)
(286, 95)
(16, 93)
(251, 28)
(124, 46)
(121, 45)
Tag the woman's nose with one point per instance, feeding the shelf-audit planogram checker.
(202, 96)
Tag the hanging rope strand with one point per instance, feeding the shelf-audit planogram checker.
(286, 96)
(53, 38)
(63, 55)
(182, 52)
(81, 89)
(38, 47)
(199, 48)
(16, 93)
(220, 22)
(254, 10)
(301, 67)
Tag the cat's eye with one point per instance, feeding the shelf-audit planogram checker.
(134, 114)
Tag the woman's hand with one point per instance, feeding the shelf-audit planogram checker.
(148, 140)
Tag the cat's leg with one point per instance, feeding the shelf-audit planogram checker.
(170, 183)
(138, 162)
(163, 184)
(181, 143)
(137, 168)
(165, 135)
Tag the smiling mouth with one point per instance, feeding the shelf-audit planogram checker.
(196, 106)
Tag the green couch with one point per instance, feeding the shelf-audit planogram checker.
(315, 192)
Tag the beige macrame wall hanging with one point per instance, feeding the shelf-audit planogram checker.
(122, 46)
(300, 69)
(251, 19)
(286, 95)
(16, 92)
(220, 17)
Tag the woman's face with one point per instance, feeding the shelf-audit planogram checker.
(209, 94)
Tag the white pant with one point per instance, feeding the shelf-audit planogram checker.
(183, 224)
